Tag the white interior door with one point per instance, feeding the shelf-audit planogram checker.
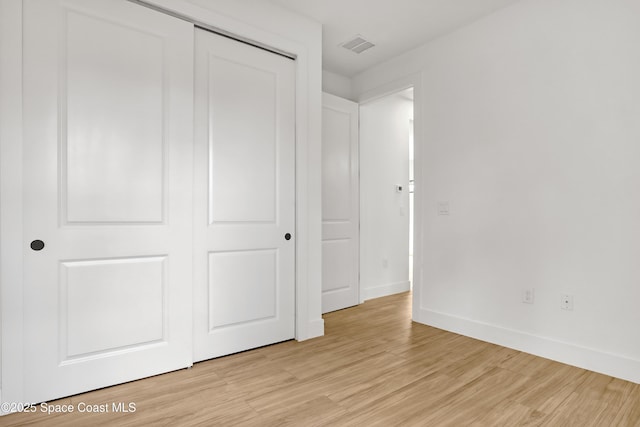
(340, 204)
(107, 195)
(244, 197)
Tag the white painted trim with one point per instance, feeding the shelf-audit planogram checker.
(385, 290)
(389, 89)
(611, 364)
(11, 240)
(415, 81)
(316, 328)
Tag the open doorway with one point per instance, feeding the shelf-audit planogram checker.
(386, 202)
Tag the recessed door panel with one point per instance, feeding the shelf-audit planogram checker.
(336, 165)
(109, 305)
(338, 268)
(243, 141)
(108, 122)
(244, 197)
(233, 297)
(112, 130)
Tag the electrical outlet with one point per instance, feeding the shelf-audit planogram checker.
(566, 302)
(527, 296)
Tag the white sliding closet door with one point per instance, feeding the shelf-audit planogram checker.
(108, 205)
(340, 204)
(244, 197)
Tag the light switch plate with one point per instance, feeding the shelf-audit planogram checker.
(443, 208)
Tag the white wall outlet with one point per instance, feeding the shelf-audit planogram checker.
(385, 263)
(443, 208)
(566, 302)
(527, 296)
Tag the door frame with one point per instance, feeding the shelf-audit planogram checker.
(411, 81)
(307, 48)
(11, 385)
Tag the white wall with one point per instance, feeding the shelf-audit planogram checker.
(384, 213)
(336, 84)
(531, 133)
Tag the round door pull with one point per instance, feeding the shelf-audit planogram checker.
(37, 245)
(287, 236)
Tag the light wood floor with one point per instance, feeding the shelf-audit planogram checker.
(373, 367)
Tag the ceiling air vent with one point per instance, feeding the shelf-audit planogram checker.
(358, 44)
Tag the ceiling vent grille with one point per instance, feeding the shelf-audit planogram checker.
(358, 44)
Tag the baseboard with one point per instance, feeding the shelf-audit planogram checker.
(582, 357)
(385, 290)
(315, 328)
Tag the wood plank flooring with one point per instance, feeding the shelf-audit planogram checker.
(374, 367)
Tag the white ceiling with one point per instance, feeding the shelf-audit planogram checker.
(394, 26)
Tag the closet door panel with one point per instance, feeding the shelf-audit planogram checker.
(244, 254)
(108, 95)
